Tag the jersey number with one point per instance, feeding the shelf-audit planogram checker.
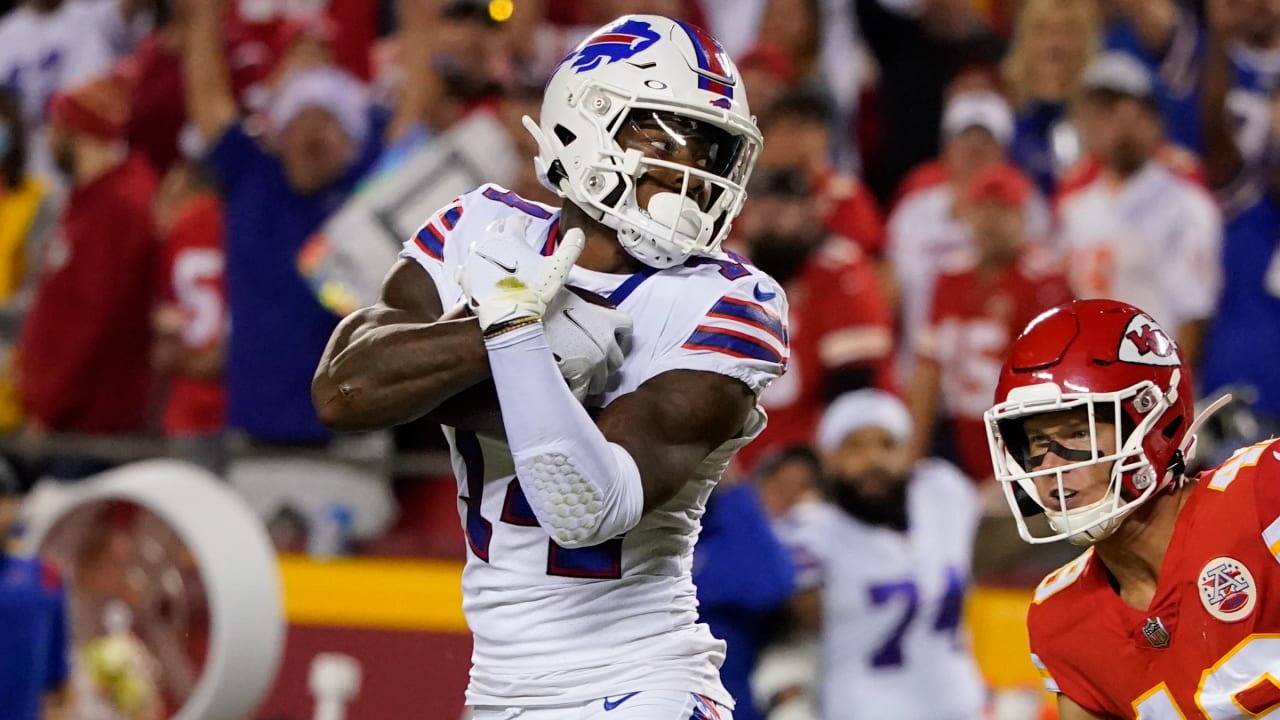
(889, 653)
(1221, 694)
(599, 562)
(196, 272)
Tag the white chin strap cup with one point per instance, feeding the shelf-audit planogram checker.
(681, 216)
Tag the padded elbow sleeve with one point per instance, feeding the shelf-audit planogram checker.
(582, 506)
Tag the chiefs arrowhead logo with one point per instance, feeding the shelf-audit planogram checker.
(1146, 343)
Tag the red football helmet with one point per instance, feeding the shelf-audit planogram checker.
(1116, 362)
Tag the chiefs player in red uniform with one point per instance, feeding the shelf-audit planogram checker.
(1173, 611)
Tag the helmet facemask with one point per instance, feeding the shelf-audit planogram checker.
(1132, 479)
(701, 158)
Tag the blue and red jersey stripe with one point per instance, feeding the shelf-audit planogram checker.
(431, 241)
(732, 343)
(451, 216)
(749, 313)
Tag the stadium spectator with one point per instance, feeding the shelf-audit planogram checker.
(1242, 132)
(977, 311)
(767, 70)
(919, 55)
(83, 357)
(883, 569)
(190, 320)
(34, 647)
(744, 578)
(1166, 37)
(47, 46)
(27, 220)
(926, 231)
(1053, 43)
(787, 477)
(1140, 231)
(841, 328)
(844, 204)
(321, 136)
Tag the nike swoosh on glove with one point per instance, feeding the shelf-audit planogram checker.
(589, 341)
(507, 283)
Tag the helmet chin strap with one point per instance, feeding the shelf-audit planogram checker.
(1086, 517)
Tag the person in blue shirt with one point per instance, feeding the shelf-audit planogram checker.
(744, 576)
(281, 177)
(1167, 39)
(1241, 138)
(34, 651)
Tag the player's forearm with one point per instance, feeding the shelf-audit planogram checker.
(1221, 155)
(210, 101)
(392, 374)
(922, 398)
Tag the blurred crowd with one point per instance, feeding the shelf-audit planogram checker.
(193, 193)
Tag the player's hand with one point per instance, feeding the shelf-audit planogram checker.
(589, 341)
(507, 281)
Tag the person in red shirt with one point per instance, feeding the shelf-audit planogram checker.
(845, 206)
(1172, 610)
(83, 353)
(976, 313)
(190, 321)
(841, 331)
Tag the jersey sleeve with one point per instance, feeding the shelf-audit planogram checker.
(1266, 488)
(438, 247)
(742, 333)
(1058, 676)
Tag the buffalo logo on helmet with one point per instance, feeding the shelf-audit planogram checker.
(620, 42)
(1146, 343)
(1227, 589)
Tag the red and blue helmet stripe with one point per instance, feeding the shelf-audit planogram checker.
(714, 73)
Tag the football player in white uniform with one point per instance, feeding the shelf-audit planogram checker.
(883, 570)
(581, 500)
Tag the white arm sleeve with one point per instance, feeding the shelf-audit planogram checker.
(583, 489)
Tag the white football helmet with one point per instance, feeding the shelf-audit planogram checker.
(678, 96)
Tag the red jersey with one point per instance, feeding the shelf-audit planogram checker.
(838, 318)
(192, 279)
(973, 320)
(1208, 646)
(84, 353)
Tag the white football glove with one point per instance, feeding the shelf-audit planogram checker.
(589, 341)
(506, 280)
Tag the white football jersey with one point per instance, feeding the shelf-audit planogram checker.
(556, 626)
(892, 645)
(1153, 241)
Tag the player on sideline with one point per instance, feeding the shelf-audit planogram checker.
(884, 569)
(1172, 611)
(580, 523)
